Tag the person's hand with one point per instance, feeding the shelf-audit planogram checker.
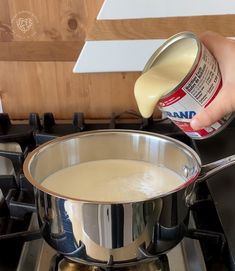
(223, 50)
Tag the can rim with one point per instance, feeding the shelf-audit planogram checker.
(177, 37)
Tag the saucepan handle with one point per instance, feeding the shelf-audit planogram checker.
(207, 171)
(211, 169)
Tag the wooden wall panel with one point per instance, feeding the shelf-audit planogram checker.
(5, 22)
(36, 70)
(40, 51)
(52, 87)
(45, 81)
(57, 20)
(160, 28)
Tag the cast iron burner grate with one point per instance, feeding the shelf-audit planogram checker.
(16, 207)
(59, 263)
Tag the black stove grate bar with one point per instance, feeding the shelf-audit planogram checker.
(143, 122)
(7, 182)
(17, 159)
(23, 236)
(18, 210)
(79, 122)
(5, 122)
(216, 238)
(34, 122)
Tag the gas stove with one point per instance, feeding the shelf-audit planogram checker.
(209, 244)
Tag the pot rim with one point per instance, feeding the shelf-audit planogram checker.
(58, 140)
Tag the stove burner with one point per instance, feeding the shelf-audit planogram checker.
(67, 265)
(159, 265)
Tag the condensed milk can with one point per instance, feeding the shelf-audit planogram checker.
(195, 90)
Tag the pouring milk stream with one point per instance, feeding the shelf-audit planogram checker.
(164, 76)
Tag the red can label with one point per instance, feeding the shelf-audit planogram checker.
(197, 92)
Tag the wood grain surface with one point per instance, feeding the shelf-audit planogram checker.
(45, 81)
(160, 28)
(57, 33)
(36, 68)
(53, 20)
(52, 87)
(40, 51)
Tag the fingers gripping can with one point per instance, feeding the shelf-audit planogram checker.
(197, 90)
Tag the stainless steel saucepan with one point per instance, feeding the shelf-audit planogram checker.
(115, 233)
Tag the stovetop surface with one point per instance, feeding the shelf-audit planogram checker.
(222, 185)
(216, 195)
(186, 256)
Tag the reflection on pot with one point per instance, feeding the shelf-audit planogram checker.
(112, 232)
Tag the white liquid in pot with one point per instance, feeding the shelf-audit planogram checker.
(168, 71)
(113, 180)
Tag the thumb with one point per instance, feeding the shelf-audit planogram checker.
(209, 115)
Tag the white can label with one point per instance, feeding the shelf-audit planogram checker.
(197, 92)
